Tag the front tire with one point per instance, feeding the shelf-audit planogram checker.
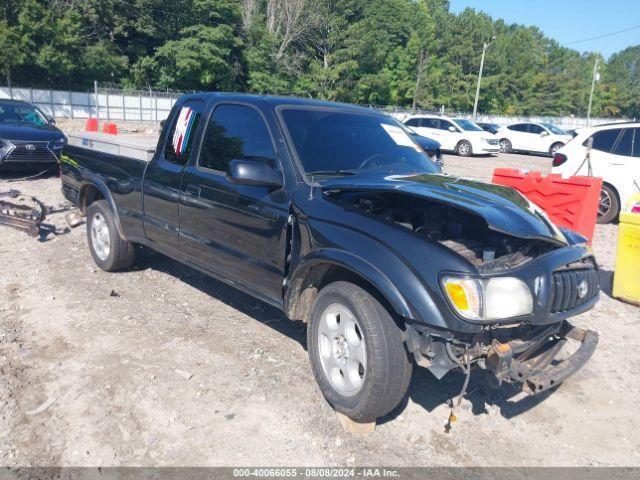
(609, 206)
(505, 145)
(464, 149)
(357, 352)
(109, 251)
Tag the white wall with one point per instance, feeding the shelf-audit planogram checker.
(116, 105)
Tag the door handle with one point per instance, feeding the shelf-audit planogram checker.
(192, 191)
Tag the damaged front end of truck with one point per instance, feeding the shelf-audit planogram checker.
(515, 280)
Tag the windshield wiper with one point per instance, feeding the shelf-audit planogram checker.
(332, 172)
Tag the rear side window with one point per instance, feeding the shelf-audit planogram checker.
(183, 132)
(413, 122)
(624, 145)
(235, 132)
(519, 127)
(605, 140)
(430, 123)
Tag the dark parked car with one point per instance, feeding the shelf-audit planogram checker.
(28, 137)
(489, 127)
(332, 213)
(430, 147)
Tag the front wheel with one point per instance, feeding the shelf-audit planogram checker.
(357, 352)
(109, 251)
(463, 149)
(505, 145)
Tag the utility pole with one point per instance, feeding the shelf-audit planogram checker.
(484, 51)
(593, 86)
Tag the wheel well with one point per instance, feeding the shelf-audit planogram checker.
(90, 194)
(554, 144)
(304, 289)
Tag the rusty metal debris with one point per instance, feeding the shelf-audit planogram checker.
(22, 212)
(74, 219)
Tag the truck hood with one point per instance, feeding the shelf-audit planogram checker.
(29, 133)
(503, 208)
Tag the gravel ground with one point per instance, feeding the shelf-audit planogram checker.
(163, 366)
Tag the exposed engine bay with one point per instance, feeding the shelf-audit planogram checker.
(464, 233)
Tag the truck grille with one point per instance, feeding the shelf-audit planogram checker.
(572, 288)
(31, 152)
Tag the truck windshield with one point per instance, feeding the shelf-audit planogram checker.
(330, 142)
(21, 114)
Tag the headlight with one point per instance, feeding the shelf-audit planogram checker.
(5, 146)
(60, 141)
(488, 299)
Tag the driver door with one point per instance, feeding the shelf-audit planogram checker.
(536, 140)
(447, 138)
(235, 231)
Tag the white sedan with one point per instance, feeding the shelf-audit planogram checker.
(532, 137)
(458, 135)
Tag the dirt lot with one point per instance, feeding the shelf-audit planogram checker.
(161, 365)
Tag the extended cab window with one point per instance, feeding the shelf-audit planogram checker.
(235, 132)
(182, 134)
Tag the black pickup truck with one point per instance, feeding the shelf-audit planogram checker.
(333, 214)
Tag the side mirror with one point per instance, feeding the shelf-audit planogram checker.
(52, 121)
(163, 123)
(452, 129)
(248, 172)
(544, 133)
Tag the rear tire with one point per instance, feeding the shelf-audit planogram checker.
(357, 352)
(505, 145)
(609, 206)
(464, 149)
(109, 251)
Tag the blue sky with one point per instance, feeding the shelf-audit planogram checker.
(569, 20)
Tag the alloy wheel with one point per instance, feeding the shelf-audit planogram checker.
(605, 203)
(342, 350)
(100, 238)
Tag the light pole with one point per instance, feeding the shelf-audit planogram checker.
(593, 86)
(484, 50)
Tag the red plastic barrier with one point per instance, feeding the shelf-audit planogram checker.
(569, 202)
(92, 125)
(110, 128)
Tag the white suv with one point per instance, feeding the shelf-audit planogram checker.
(614, 156)
(532, 137)
(457, 135)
